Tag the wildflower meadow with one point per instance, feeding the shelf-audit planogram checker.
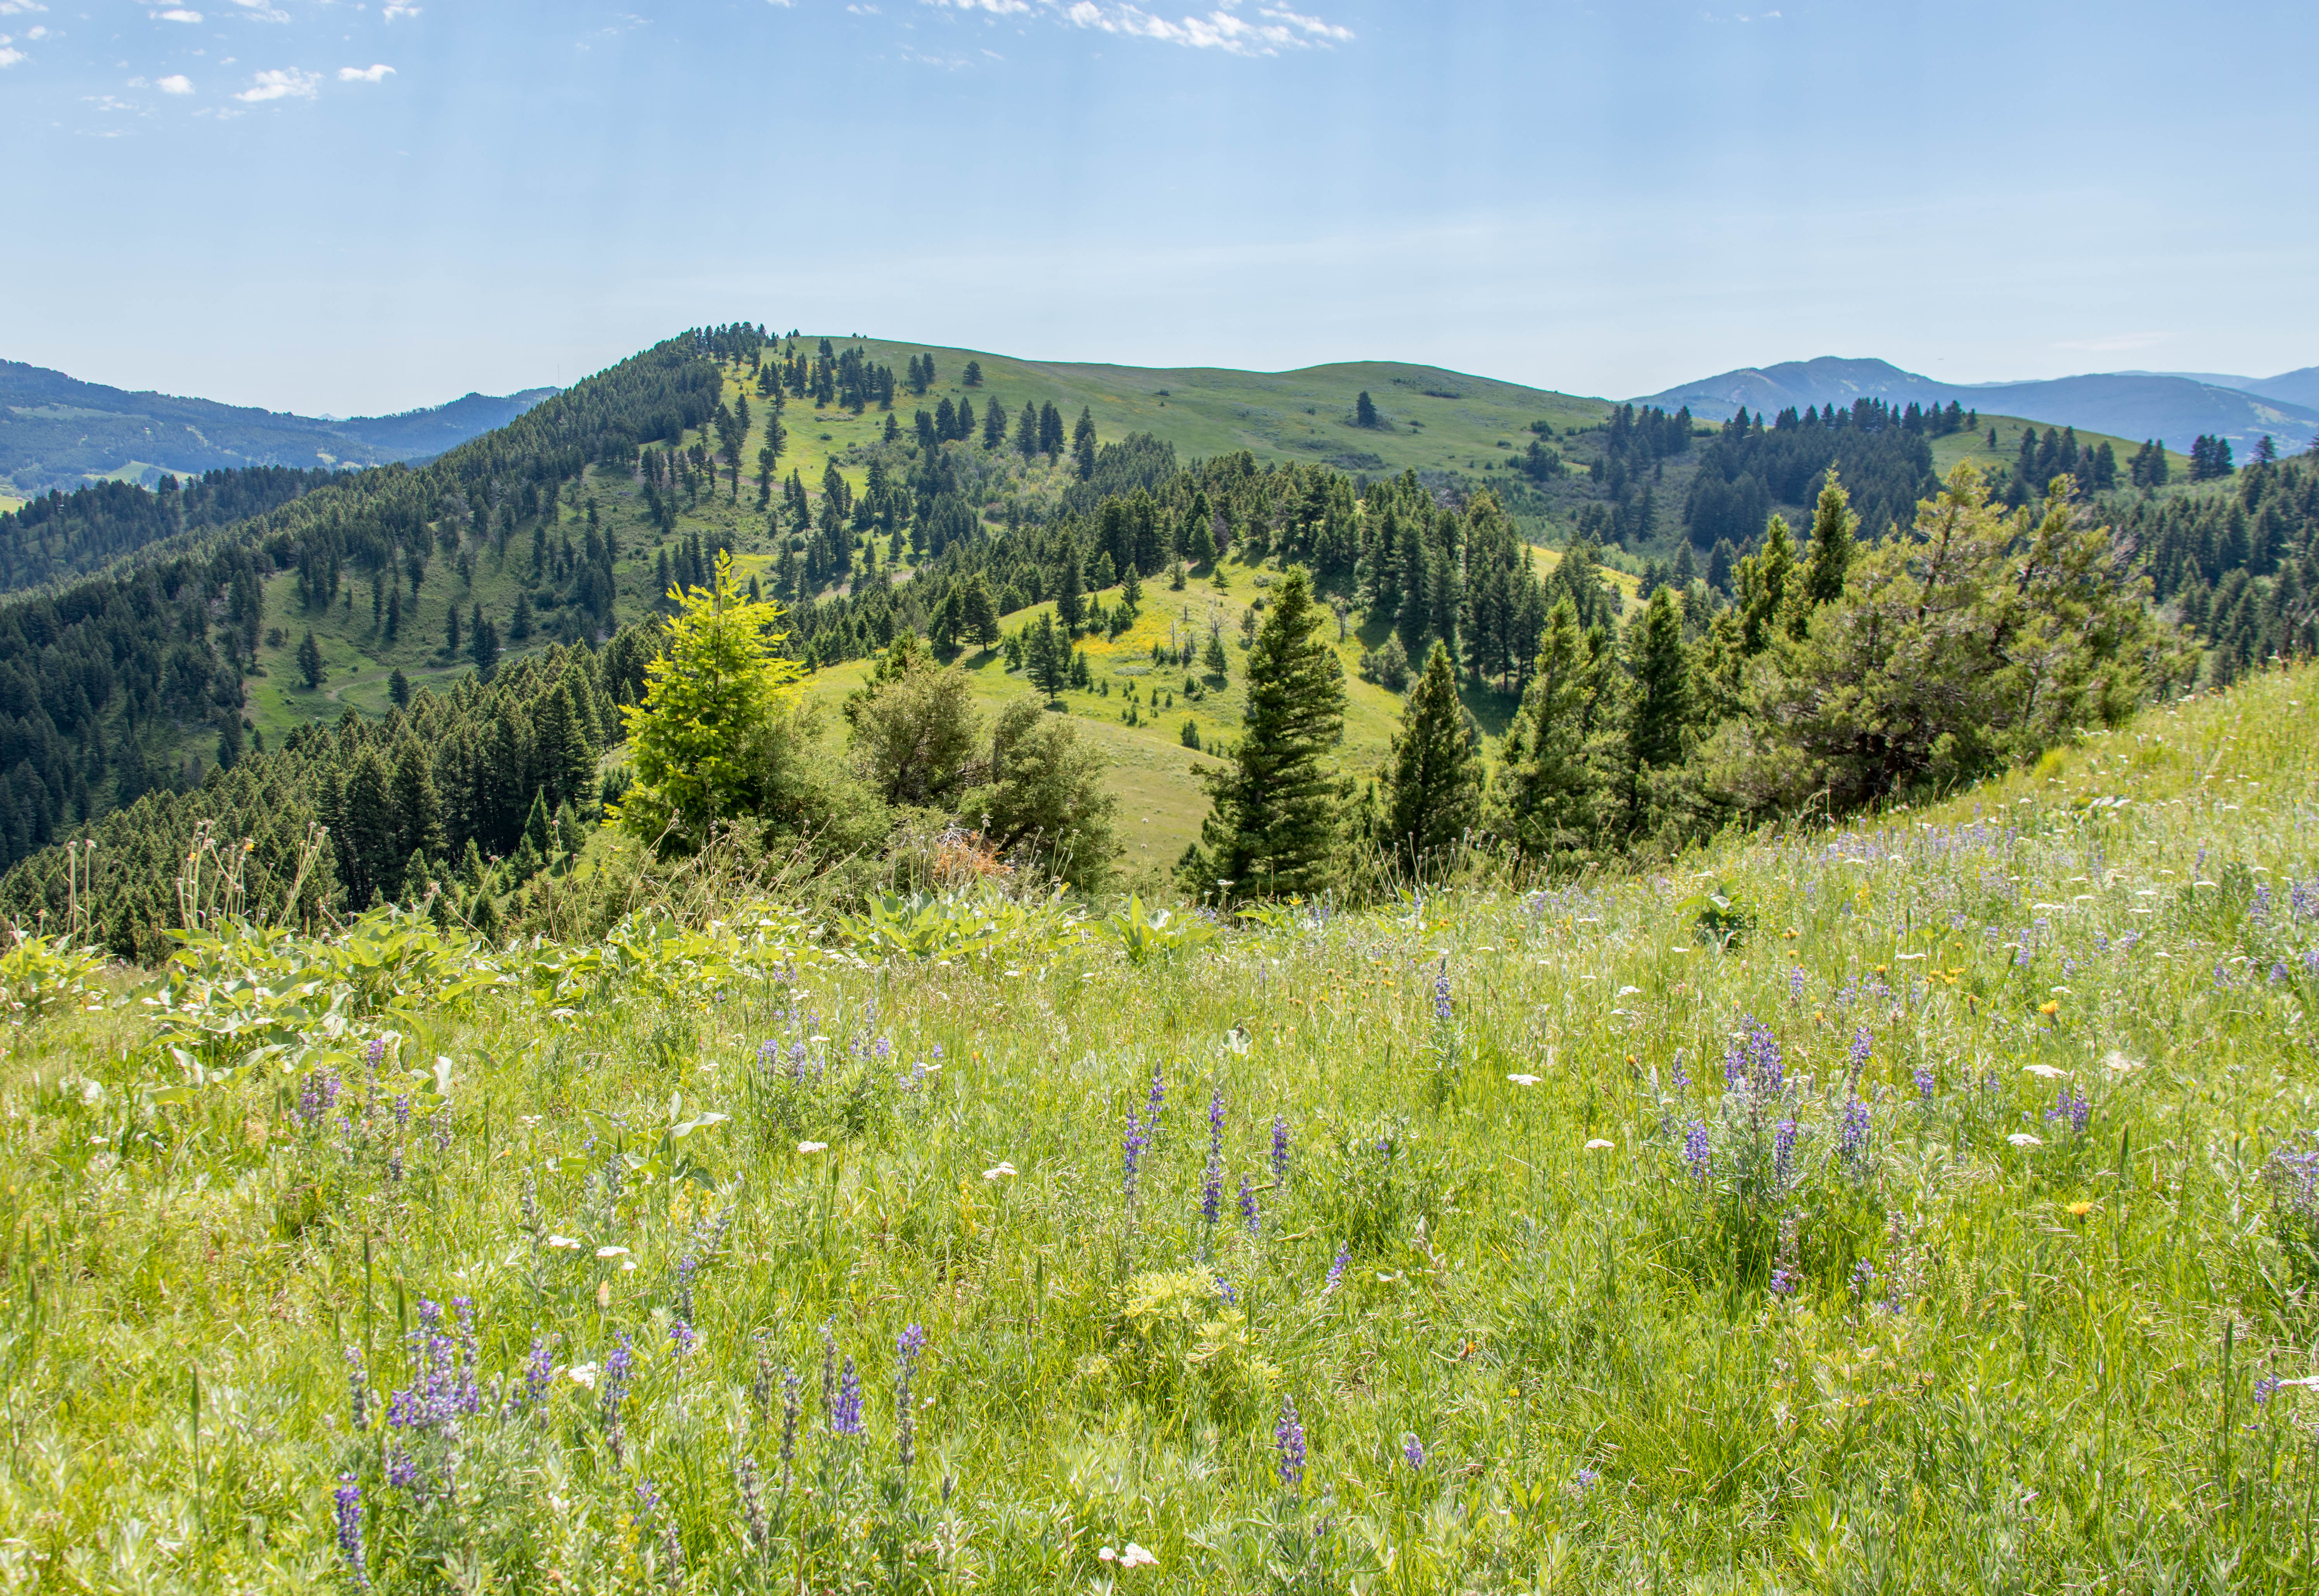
(1930, 1204)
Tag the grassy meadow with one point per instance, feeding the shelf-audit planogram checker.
(1909, 1205)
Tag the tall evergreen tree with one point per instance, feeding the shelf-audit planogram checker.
(1835, 533)
(310, 662)
(1272, 826)
(1083, 444)
(1547, 800)
(1432, 780)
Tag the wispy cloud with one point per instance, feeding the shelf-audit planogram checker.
(286, 84)
(263, 10)
(1274, 29)
(20, 7)
(395, 11)
(8, 56)
(375, 73)
(176, 83)
(180, 14)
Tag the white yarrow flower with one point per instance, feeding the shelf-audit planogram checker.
(1524, 1080)
(996, 1170)
(813, 1146)
(2023, 1139)
(1598, 1145)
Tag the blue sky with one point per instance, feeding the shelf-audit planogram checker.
(321, 205)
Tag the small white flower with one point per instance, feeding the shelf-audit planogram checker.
(2023, 1139)
(1106, 1556)
(813, 1146)
(1598, 1145)
(1628, 991)
(1135, 1556)
(611, 1252)
(572, 1242)
(2043, 1071)
(996, 1170)
(1524, 1080)
(583, 1373)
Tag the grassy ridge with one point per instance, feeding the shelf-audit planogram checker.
(2014, 1342)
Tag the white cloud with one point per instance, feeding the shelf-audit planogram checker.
(1222, 28)
(290, 85)
(395, 9)
(20, 7)
(372, 74)
(176, 83)
(262, 11)
(180, 14)
(9, 58)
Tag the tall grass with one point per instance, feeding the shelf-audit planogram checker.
(1915, 1205)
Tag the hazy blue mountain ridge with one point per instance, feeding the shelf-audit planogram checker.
(2170, 406)
(56, 431)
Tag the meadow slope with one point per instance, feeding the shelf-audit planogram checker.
(1913, 1205)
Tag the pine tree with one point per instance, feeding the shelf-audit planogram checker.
(1764, 580)
(711, 695)
(1026, 431)
(1548, 799)
(310, 662)
(417, 804)
(1272, 828)
(980, 619)
(1071, 603)
(1835, 533)
(398, 688)
(564, 751)
(1047, 657)
(1083, 445)
(1365, 411)
(1432, 780)
(994, 424)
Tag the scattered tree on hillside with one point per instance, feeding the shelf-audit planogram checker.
(1272, 827)
(1432, 788)
(310, 662)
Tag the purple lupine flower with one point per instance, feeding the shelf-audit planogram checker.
(1853, 1147)
(347, 1500)
(908, 1348)
(1583, 1481)
(1280, 1144)
(358, 1391)
(1863, 1042)
(797, 1060)
(2264, 1390)
(1682, 1075)
(2071, 1108)
(1288, 1440)
(1248, 1209)
(648, 1502)
(2311, 960)
(752, 1510)
(1441, 992)
(1694, 1150)
(2222, 977)
(845, 1419)
(374, 1052)
(828, 1374)
(789, 1405)
(1412, 1450)
(402, 1468)
(402, 1110)
(467, 1394)
(680, 1333)
(1863, 1279)
(1796, 983)
(1763, 1055)
(1131, 1148)
(1158, 1100)
(1211, 1181)
(1224, 1291)
(1337, 1269)
(317, 1096)
(2259, 910)
(1924, 1083)
(619, 1368)
(1784, 1154)
(539, 1370)
(2278, 972)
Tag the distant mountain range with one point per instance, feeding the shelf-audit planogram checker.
(2174, 406)
(59, 432)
